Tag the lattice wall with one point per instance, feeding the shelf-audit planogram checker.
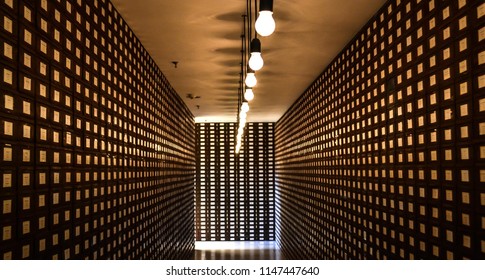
(383, 156)
(97, 151)
(234, 194)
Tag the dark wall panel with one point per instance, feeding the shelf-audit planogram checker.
(382, 157)
(97, 151)
(234, 194)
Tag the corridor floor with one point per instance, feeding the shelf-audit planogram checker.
(247, 250)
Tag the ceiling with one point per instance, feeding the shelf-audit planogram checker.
(205, 38)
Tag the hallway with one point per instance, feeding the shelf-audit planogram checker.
(378, 154)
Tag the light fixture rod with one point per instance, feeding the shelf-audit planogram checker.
(255, 15)
(249, 26)
(242, 73)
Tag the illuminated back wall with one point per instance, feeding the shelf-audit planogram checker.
(234, 194)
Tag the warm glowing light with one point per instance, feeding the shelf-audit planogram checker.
(249, 94)
(245, 107)
(251, 80)
(243, 115)
(256, 61)
(265, 24)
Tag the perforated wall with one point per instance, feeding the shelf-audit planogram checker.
(234, 194)
(383, 156)
(97, 151)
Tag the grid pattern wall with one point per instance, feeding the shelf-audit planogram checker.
(383, 156)
(97, 151)
(234, 194)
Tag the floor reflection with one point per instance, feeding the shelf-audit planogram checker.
(246, 250)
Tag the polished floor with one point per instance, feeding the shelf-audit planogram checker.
(248, 250)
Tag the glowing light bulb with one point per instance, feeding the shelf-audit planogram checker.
(256, 61)
(249, 94)
(242, 123)
(251, 80)
(242, 115)
(245, 107)
(265, 24)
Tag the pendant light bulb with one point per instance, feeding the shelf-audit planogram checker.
(249, 94)
(256, 60)
(245, 107)
(251, 80)
(243, 118)
(242, 115)
(265, 24)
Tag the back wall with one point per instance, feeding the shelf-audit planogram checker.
(234, 194)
